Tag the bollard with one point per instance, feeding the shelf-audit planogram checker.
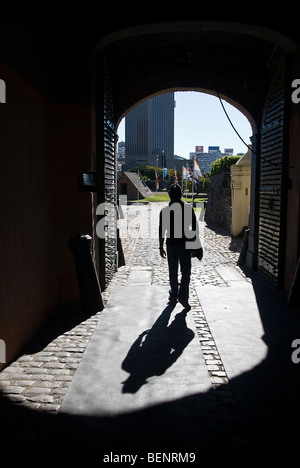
(121, 258)
(294, 292)
(88, 283)
(243, 253)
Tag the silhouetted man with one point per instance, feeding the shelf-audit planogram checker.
(177, 222)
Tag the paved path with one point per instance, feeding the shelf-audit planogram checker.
(232, 349)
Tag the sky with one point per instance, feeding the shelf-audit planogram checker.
(201, 121)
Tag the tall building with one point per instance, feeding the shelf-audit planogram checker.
(149, 132)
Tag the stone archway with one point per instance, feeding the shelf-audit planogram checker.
(217, 57)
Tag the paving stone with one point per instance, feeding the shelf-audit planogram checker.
(17, 398)
(50, 408)
(54, 365)
(44, 377)
(41, 398)
(24, 383)
(212, 361)
(12, 389)
(36, 390)
(64, 377)
(47, 358)
(211, 367)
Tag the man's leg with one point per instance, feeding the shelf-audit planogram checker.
(172, 253)
(185, 266)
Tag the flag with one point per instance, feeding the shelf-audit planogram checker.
(175, 176)
(197, 171)
(156, 181)
(165, 172)
(189, 174)
(195, 181)
(186, 173)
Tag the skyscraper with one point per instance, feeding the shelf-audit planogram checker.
(149, 132)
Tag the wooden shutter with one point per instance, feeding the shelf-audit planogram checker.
(106, 175)
(271, 199)
(110, 181)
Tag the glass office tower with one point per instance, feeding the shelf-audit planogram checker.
(149, 132)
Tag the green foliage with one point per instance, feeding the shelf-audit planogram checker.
(148, 173)
(225, 161)
(165, 198)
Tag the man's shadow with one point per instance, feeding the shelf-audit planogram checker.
(155, 350)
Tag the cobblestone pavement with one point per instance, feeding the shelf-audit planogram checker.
(40, 377)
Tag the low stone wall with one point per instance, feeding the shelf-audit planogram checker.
(218, 209)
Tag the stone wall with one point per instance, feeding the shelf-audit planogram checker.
(218, 209)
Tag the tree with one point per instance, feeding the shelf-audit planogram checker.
(225, 161)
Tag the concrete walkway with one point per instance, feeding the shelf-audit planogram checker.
(144, 368)
(144, 352)
(139, 375)
(155, 373)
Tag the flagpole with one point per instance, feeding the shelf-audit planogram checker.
(182, 179)
(156, 176)
(193, 181)
(186, 187)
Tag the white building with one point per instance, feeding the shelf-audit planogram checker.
(206, 159)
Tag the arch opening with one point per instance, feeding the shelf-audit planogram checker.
(210, 92)
(201, 119)
(210, 57)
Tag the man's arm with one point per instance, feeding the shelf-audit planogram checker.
(195, 226)
(191, 228)
(161, 236)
